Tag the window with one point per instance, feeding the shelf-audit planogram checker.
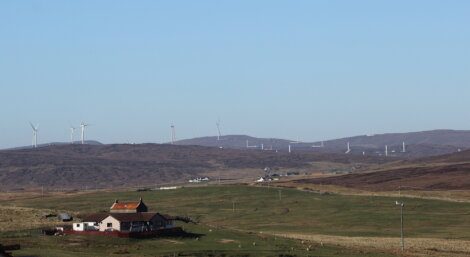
(78, 225)
(109, 225)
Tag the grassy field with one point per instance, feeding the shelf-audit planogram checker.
(210, 242)
(261, 209)
(240, 213)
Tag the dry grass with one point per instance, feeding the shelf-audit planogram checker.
(445, 195)
(414, 246)
(22, 218)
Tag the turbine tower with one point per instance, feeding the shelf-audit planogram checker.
(404, 148)
(72, 131)
(82, 127)
(35, 135)
(319, 146)
(218, 129)
(173, 134)
(349, 148)
(386, 150)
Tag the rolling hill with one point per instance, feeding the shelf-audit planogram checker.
(418, 144)
(108, 166)
(447, 172)
(88, 142)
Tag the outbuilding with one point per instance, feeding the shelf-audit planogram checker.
(90, 222)
(64, 217)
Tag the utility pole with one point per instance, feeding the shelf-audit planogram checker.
(401, 204)
(233, 206)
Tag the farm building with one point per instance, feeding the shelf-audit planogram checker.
(125, 217)
(90, 223)
(135, 222)
(64, 217)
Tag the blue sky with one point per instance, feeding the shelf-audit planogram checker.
(311, 70)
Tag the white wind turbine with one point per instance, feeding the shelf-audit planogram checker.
(173, 134)
(218, 129)
(349, 148)
(35, 135)
(83, 126)
(72, 131)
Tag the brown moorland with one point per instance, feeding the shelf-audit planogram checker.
(110, 166)
(447, 172)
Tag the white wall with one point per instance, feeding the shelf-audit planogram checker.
(83, 226)
(78, 226)
(115, 225)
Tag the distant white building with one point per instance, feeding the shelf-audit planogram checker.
(198, 180)
(169, 188)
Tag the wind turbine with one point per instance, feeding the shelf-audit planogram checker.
(72, 131)
(82, 127)
(349, 148)
(218, 129)
(173, 134)
(296, 141)
(35, 135)
(322, 144)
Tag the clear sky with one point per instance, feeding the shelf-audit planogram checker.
(310, 70)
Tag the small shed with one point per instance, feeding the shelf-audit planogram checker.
(64, 217)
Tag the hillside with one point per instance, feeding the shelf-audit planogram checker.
(447, 138)
(107, 166)
(447, 172)
(237, 142)
(88, 142)
(418, 144)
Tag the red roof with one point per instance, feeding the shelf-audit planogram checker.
(125, 206)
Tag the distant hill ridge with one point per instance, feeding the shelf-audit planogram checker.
(87, 142)
(457, 138)
(120, 165)
(418, 144)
